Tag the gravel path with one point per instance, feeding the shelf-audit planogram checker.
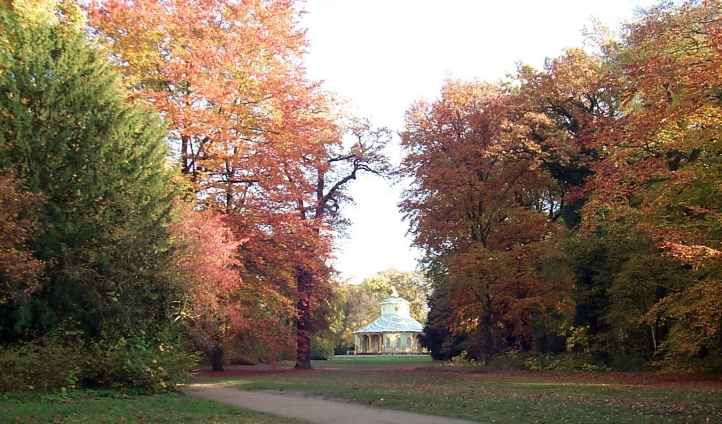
(314, 410)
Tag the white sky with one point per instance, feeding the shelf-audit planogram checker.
(382, 55)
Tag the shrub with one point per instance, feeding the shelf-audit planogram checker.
(134, 363)
(33, 366)
(464, 360)
(322, 348)
(152, 366)
(520, 361)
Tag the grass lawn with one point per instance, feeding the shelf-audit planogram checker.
(381, 360)
(112, 407)
(405, 383)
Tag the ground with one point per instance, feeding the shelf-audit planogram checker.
(91, 407)
(416, 384)
(408, 384)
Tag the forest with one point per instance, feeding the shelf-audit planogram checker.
(576, 208)
(173, 185)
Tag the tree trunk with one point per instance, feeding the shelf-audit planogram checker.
(185, 162)
(304, 282)
(487, 336)
(217, 358)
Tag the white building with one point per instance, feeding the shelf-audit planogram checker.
(393, 332)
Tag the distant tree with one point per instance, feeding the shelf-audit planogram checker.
(411, 286)
(360, 303)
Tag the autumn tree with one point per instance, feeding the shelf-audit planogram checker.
(255, 137)
(20, 271)
(208, 262)
(481, 203)
(560, 109)
(662, 172)
(321, 211)
(620, 143)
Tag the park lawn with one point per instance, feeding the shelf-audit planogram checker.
(516, 397)
(87, 406)
(377, 360)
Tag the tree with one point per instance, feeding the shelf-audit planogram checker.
(256, 139)
(229, 82)
(616, 288)
(622, 146)
(100, 164)
(480, 203)
(208, 261)
(322, 210)
(668, 143)
(20, 271)
(560, 109)
(442, 342)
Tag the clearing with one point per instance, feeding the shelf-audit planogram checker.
(384, 386)
(416, 384)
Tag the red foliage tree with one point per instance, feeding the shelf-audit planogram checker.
(208, 262)
(19, 269)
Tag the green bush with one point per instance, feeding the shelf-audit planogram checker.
(520, 361)
(563, 362)
(322, 348)
(32, 366)
(135, 363)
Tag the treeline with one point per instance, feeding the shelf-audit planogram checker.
(578, 208)
(170, 182)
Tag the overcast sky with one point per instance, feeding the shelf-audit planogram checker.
(382, 55)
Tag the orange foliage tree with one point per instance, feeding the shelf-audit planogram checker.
(662, 168)
(623, 145)
(256, 138)
(560, 109)
(481, 203)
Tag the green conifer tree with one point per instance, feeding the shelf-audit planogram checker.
(68, 133)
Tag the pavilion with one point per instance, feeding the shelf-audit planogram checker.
(395, 331)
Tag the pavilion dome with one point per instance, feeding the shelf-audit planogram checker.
(395, 317)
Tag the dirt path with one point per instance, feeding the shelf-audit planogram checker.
(314, 410)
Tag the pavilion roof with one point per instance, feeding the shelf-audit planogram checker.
(393, 322)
